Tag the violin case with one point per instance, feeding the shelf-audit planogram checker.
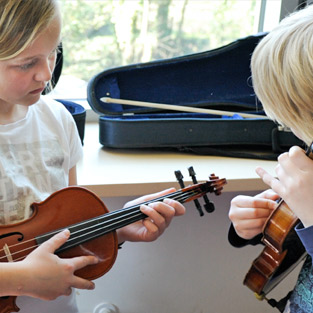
(218, 79)
(79, 115)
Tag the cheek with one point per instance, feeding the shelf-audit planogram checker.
(13, 85)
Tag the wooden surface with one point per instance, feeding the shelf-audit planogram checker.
(115, 172)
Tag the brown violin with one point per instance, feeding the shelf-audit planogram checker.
(91, 226)
(283, 250)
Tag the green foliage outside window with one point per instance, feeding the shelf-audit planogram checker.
(98, 35)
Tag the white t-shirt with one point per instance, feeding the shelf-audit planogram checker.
(36, 154)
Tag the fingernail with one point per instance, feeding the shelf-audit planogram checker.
(96, 260)
(167, 201)
(66, 232)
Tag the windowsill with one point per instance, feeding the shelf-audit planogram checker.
(129, 172)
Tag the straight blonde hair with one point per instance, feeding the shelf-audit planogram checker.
(282, 73)
(21, 21)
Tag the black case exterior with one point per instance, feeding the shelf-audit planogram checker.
(218, 79)
(78, 112)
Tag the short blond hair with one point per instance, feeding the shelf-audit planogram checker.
(282, 73)
(21, 21)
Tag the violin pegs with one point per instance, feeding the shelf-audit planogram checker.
(194, 180)
(192, 174)
(198, 206)
(213, 177)
(209, 207)
(179, 177)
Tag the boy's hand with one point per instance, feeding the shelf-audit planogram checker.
(248, 214)
(293, 183)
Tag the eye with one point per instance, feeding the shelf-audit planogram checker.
(27, 66)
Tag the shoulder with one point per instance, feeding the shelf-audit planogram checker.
(52, 106)
(51, 111)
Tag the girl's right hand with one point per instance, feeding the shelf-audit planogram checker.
(248, 214)
(46, 276)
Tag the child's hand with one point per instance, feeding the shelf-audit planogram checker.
(248, 214)
(46, 276)
(159, 214)
(294, 183)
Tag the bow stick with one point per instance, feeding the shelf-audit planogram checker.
(179, 108)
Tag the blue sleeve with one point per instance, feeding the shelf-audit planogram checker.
(306, 236)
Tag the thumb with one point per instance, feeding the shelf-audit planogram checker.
(56, 241)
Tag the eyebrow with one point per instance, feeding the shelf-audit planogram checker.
(36, 56)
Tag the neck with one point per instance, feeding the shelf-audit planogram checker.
(10, 113)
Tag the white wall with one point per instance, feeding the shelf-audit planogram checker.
(190, 269)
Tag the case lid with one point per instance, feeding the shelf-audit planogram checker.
(216, 79)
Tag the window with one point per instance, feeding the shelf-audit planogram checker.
(98, 35)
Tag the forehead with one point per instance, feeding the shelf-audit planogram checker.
(45, 42)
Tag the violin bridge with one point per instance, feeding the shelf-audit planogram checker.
(7, 252)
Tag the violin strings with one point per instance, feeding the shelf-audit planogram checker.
(127, 214)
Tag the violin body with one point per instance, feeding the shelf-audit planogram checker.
(61, 209)
(282, 252)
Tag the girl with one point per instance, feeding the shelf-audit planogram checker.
(282, 75)
(39, 148)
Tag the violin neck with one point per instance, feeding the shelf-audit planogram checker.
(98, 226)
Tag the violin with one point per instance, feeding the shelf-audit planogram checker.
(92, 228)
(283, 249)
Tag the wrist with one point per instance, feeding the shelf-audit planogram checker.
(13, 279)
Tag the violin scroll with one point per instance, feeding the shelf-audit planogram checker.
(215, 185)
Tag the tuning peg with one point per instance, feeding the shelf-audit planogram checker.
(194, 180)
(179, 177)
(208, 206)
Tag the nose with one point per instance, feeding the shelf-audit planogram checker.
(44, 72)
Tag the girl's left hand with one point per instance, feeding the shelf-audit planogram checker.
(159, 216)
(293, 183)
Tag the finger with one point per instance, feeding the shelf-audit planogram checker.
(152, 228)
(254, 202)
(249, 214)
(251, 225)
(56, 241)
(82, 261)
(298, 156)
(150, 197)
(81, 283)
(158, 194)
(178, 207)
(159, 213)
(286, 166)
(270, 180)
(269, 194)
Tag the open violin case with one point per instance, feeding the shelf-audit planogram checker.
(217, 79)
